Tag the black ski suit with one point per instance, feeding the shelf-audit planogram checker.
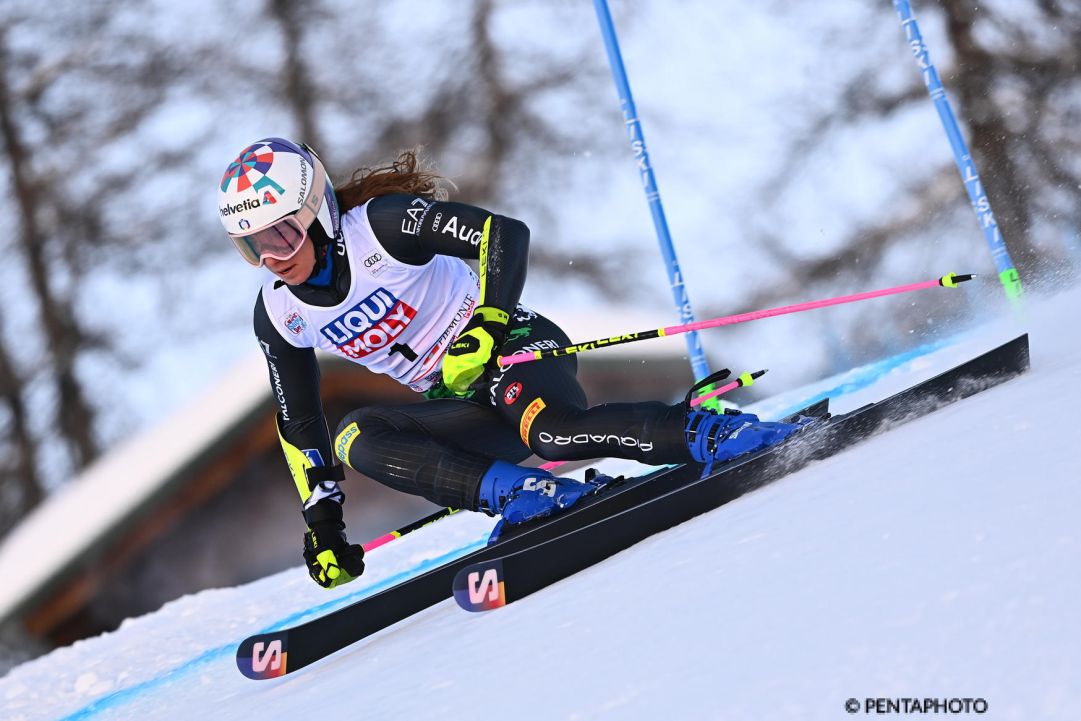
(440, 448)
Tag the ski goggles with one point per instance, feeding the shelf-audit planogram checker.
(283, 238)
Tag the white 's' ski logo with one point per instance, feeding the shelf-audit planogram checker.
(271, 659)
(483, 588)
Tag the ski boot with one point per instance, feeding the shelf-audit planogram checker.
(521, 494)
(717, 437)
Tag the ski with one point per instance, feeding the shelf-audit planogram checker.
(276, 653)
(495, 582)
(273, 654)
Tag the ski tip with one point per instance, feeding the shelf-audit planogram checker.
(264, 656)
(480, 586)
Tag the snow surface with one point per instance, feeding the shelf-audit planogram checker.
(939, 560)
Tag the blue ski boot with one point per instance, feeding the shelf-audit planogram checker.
(719, 437)
(522, 494)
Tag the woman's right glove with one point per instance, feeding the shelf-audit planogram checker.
(330, 558)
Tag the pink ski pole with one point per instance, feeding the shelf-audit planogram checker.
(950, 280)
(409, 528)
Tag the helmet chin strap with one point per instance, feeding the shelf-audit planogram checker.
(322, 273)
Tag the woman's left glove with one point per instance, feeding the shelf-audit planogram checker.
(467, 356)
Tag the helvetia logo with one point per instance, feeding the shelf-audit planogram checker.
(248, 204)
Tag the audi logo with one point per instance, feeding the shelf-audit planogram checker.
(372, 260)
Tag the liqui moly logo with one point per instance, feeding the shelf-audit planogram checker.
(371, 324)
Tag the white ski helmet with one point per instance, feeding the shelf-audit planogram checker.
(269, 197)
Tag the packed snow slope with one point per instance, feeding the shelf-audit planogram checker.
(938, 560)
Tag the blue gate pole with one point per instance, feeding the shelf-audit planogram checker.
(1007, 274)
(638, 145)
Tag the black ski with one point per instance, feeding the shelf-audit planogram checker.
(274, 654)
(494, 582)
(270, 655)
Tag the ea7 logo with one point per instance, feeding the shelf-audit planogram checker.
(264, 656)
(483, 588)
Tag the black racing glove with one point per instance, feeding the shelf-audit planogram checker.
(330, 558)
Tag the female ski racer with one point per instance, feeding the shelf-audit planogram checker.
(375, 272)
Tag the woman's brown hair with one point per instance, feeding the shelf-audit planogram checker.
(404, 175)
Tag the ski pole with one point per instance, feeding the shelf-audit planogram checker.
(1007, 274)
(409, 528)
(950, 280)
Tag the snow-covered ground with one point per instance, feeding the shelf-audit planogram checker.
(939, 560)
